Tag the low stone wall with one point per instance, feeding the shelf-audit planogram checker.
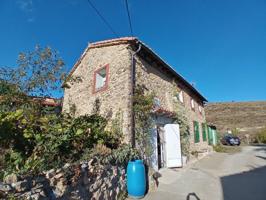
(87, 180)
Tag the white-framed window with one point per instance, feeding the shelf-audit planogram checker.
(181, 96)
(192, 103)
(200, 108)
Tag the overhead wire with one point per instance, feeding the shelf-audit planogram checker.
(129, 18)
(103, 19)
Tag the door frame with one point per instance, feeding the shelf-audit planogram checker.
(159, 121)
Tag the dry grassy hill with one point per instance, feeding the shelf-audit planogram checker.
(248, 117)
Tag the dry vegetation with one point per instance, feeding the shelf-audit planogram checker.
(247, 117)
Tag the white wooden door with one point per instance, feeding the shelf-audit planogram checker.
(172, 145)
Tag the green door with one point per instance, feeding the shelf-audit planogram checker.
(210, 138)
(196, 132)
(215, 139)
(204, 131)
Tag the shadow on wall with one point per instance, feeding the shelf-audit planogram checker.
(245, 186)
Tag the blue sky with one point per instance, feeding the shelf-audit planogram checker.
(220, 46)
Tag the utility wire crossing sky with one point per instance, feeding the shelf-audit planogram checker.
(220, 46)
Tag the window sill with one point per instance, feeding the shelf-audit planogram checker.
(100, 89)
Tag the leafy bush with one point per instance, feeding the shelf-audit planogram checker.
(226, 149)
(261, 137)
(219, 148)
(35, 143)
(122, 155)
(119, 156)
(33, 138)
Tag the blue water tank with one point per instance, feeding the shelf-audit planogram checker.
(136, 179)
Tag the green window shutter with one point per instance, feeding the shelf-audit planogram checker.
(204, 131)
(209, 135)
(196, 132)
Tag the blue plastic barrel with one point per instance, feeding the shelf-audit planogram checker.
(136, 179)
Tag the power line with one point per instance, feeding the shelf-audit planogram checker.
(129, 19)
(104, 20)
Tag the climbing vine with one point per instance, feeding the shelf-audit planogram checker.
(182, 119)
(143, 105)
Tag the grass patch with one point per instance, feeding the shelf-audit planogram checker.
(226, 149)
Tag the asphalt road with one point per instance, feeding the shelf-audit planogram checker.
(219, 176)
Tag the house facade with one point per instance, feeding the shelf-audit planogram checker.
(109, 69)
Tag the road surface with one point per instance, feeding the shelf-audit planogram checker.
(219, 176)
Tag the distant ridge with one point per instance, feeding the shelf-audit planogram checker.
(249, 117)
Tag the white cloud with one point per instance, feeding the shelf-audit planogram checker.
(31, 19)
(25, 5)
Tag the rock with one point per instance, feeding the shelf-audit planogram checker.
(84, 166)
(25, 195)
(67, 165)
(53, 181)
(58, 171)
(42, 193)
(59, 190)
(39, 179)
(11, 178)
(107, 182)
(61, 187)
(21, 186)
(50, 173)
(35, 196)
(92, 162)
(58, 176)
(115, 171)
(5, 187)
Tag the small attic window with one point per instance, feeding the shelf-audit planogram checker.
(200, 109)
(101, 78)
(181, 96)
(192, 104)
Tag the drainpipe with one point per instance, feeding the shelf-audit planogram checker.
(133, 84)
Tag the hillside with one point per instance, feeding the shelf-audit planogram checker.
(248, 117)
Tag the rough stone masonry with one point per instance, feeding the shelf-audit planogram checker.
(87, 180)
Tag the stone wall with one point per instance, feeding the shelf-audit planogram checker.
(164, 86)
(116, 97)
(88, 180)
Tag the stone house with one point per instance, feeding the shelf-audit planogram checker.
(110, 69)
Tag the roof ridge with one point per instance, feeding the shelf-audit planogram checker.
(124, 40)
(111, 41)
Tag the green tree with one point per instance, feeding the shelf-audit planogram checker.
(6, 88)
(39, 73)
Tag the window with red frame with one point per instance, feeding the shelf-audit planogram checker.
(101, 78)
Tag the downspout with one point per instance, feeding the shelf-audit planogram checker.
(133, 84)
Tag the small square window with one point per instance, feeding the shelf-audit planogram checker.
(100, 79)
